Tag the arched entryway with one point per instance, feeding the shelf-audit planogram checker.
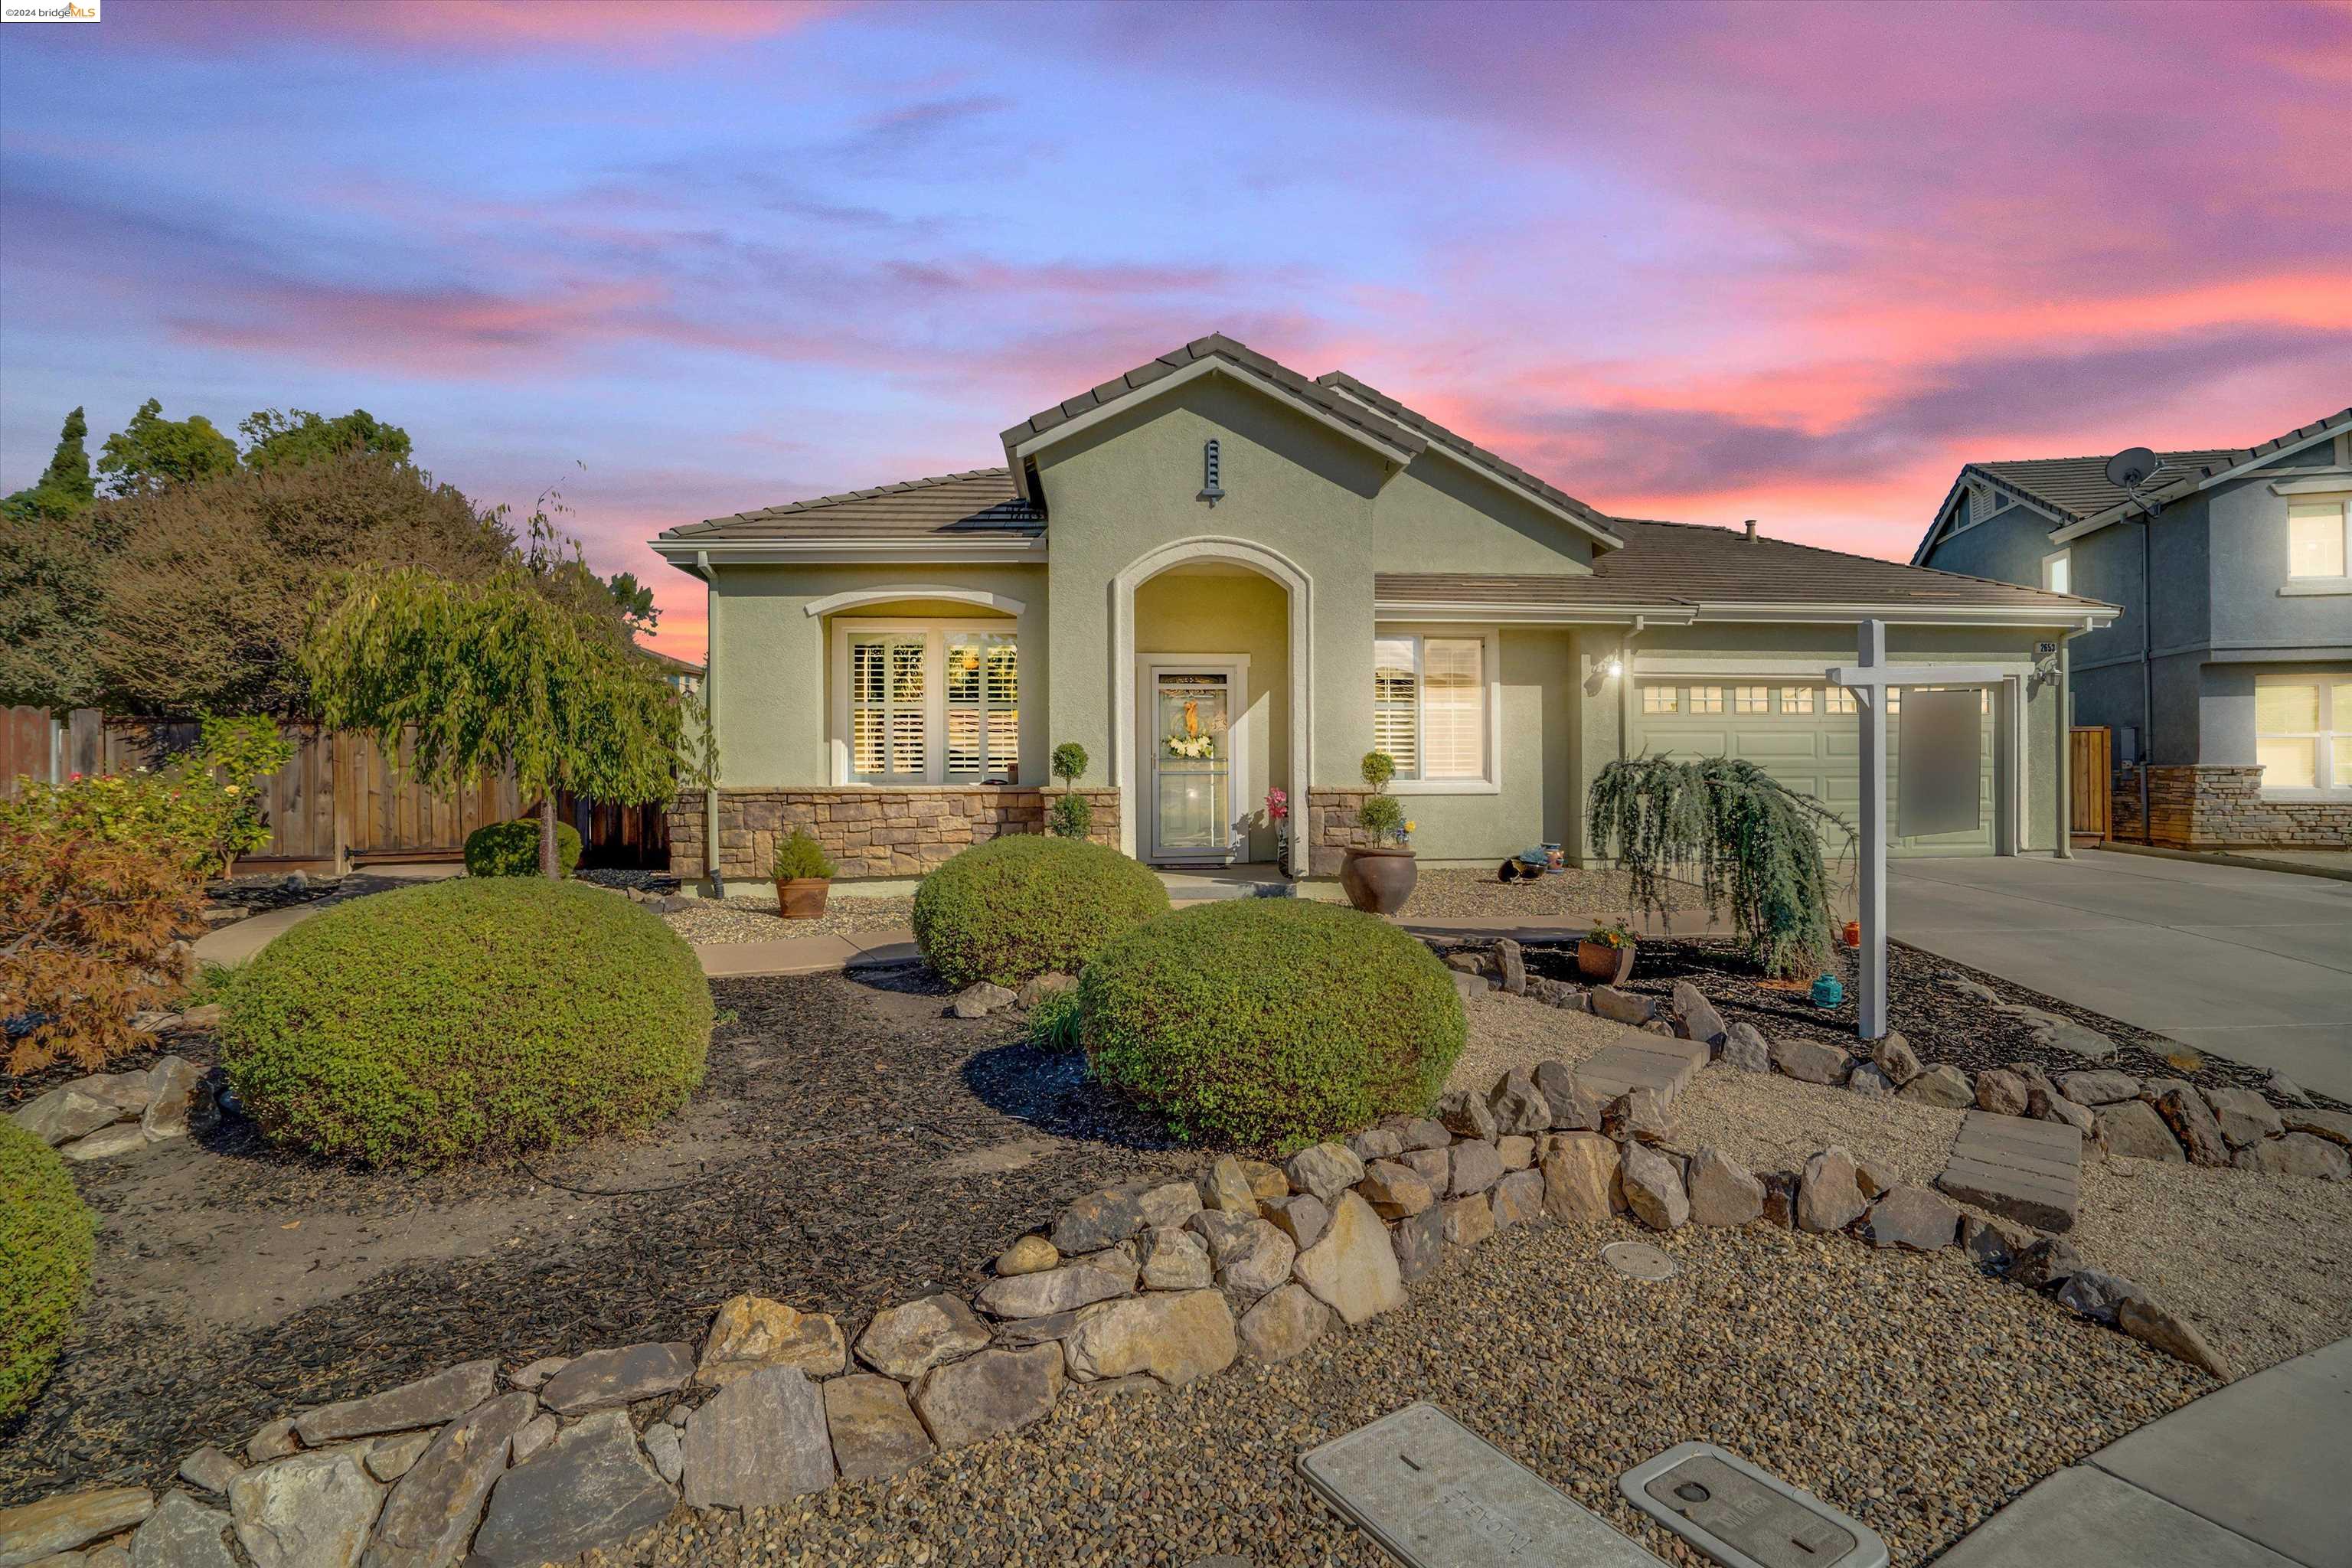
(1180, 651)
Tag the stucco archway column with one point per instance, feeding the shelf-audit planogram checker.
(1299, 590)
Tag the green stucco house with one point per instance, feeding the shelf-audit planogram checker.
(1223, 578)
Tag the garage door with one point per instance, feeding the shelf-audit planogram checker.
(1806, 736)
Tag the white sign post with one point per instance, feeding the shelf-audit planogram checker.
(1869, 682)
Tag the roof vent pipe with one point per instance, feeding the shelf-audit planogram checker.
(1751, 530)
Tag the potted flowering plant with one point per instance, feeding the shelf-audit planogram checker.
(1605, 955)
(804, 876)
(1377, 875)
(1277, 812)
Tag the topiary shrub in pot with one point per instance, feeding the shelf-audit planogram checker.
(46, 1244)
(1377, 875)
(1018, 906)
(804, 876)
(460, 1017)
(512, 849)
(1271, 1021)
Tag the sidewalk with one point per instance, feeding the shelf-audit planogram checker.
(2254, 1475)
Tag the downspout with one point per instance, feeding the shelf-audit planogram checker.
(2146, 670)
(1625, 687)
(2066, 747)
(710, 717)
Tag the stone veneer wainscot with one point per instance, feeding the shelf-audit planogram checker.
(2221, 806)
(867, 832)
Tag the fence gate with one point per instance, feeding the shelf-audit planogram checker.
(2089, 776)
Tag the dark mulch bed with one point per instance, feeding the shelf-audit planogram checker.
(1941, 1023)
(260, 894)
(852, 1149)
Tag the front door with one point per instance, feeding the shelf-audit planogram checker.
(1192, 742)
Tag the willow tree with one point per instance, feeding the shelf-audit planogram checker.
(1748, 840)
(496, 674)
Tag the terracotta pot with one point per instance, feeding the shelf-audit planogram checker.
(1379, 881)
(1601, 964)
(802, 898)
(1853, 933)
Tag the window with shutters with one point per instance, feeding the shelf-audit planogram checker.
(1432, 710)
(926, 704)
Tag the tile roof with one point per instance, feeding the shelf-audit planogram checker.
(2079, 487)
(1496, 466)
(977, 501)
(1278, 377)
(1680, 564)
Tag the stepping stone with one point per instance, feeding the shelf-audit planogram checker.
(1642, 1061)
(2021, 1169)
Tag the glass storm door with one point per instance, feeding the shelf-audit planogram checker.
(1191, 766)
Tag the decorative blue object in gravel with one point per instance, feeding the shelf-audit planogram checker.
(1827, 992)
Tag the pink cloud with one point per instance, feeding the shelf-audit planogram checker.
(572, 26)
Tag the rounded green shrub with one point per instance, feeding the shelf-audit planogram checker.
(1018, 906)
(46, 1243)
(466, 1016)
(1271, 1021)
(512, 849)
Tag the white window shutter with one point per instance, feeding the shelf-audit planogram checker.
(1396, 720)
(1454, 703)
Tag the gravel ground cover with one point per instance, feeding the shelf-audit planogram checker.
(1453, 893)
(1942, 1023)
(2258, 1262)
(852, 1148)
(753, 918)
(1903, 1388)
(271, 890)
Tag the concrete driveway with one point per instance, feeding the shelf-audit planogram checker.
(2246, 963)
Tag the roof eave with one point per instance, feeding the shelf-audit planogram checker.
(686, 554)
(2324, 430)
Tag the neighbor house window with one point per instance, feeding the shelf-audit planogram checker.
(1751, 700)
(1430, 708)
(931, 704)
(1706, 698)
(2318, 535)
(1662, 698)
(2302, 731)
(2058, 572)
(1796, 700)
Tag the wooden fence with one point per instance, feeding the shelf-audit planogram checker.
(341, 801)
(2089, 772)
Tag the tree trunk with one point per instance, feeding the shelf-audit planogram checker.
(548, 865)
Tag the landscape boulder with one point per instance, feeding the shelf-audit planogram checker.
(2296, 1154)
(307, 1511)
(1653, 1189)
(752, 1331)
(2132, 1129)
(428, 1401)
(1746, 1049)
(1033, 1255)
(1419, 1243)
(1894, 1058)
(2000, 1092)
(1078, 1282)
(1723, 1192)
(1225, 1187)
(1251, 1255)
(980, 998)
(995, 1391)
(33, 1531)
(1637, 1114)
(2153, 1323)
(591, 1485)
(432, 1510)
(1283, 1323)
(601, 1379)
(1622, 1006)
(1517, 1106)
(1943, 1085)
(1475, 1165)
(1176, 1337)
(1324, 1171)
(1696, 1015)
(760, 1440)
(1353, 1269)
(64, 1114)
(2336, 1126)
(1829, 1195)
(1394, 1191)
(875, 1431)
(2185, 1111)
(1581, 1176)
(1468, 1221)
(1518, 1199)
(1810, 1061)
(907, 1341)
(1511, 965)
(1466, 1115)
(2098, 1086)
(2244, 1116)
(1871, 1082)
(2097, 1295)
(179, 1101)
(1175, 1258)
(181, 1533)
(1912, 1216)
(1301, 1219)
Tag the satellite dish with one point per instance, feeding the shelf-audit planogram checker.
(2129, 468)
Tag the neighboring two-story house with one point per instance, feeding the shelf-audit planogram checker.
(1225, 579)
(2227, 679)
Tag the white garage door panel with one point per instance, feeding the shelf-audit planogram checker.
(1817, 753)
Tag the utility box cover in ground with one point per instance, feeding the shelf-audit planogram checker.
(1434, 1494)
(1743, 1518)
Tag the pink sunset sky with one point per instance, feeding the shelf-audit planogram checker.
(1795, 262)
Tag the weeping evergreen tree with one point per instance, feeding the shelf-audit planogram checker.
(496, 674)
(1748, 841)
